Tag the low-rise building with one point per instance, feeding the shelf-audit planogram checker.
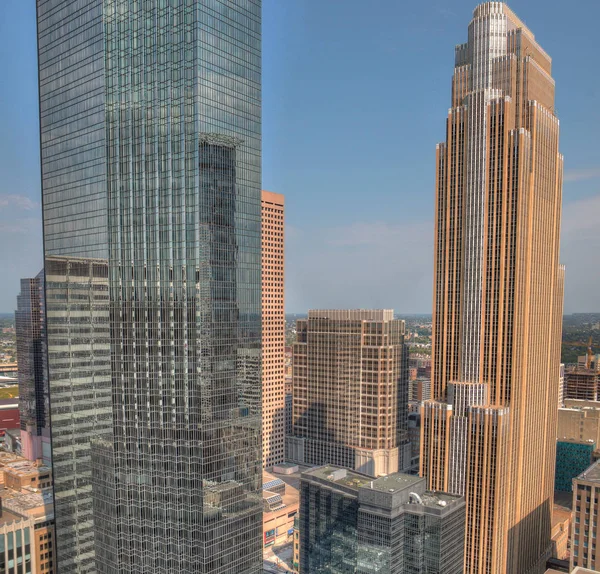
(561, 525)
(26, 474)
(280, 502)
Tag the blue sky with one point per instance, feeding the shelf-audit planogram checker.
(355, 98)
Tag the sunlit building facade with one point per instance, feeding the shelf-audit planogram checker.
(350, 392)
(489, 432)
(273, 329)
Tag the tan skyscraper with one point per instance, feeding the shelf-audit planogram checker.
(350, 391)
(490, 431)
(273, 331)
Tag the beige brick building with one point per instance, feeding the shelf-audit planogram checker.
(350, 391)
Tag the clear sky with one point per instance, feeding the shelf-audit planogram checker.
(355, 96)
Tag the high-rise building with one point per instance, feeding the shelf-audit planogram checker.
(584, 531)
(150, 126)
(350, 391)
(489, 432)
(273, 329)
(352, 523)
(33, 380)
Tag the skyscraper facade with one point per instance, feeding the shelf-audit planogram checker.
(350, 391)
(150, 122)
(273, 329)
(489, 433)
(34, 407)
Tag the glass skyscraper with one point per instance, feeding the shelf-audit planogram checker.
(150, 114)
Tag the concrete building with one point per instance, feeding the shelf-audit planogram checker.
(280, 507)
(352, 523)
(584, 538)
(582, 384)
(22, 474)
(561, 531)
(273, 329)
(579, 420)
(350, 391)
(490, 431)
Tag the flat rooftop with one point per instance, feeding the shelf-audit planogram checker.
(35, 505)
(25, 467)
(341, 476)
(396, 481)
(352, 314)
(591, 474)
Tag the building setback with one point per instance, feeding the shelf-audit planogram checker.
(352, 523)
(350, 391)
(150, 128)
(273, 329)
(489, 432)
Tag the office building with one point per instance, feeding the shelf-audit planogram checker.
(349, 391)
(582, 383)
(489, 432)
(32, 365)
(579, 420)
(273, 329)
(584, 536)
(78, 339)
(150, 127)
(352, 523)
(573, 456)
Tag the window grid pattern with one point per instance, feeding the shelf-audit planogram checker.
(182, 472)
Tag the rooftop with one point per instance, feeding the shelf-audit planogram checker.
(34, 505)
(396, 481)
(353, 314)
(341, 476)
(591, 474)
(25, 467)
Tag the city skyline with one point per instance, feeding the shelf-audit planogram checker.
(345, 230)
